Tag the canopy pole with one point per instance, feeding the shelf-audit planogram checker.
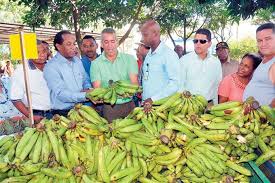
(26, 78)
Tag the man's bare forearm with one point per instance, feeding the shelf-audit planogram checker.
(21, 107)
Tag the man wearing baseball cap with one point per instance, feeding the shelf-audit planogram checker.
(228, 66)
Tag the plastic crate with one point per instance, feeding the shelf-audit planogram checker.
(257, 175)
(268, 168)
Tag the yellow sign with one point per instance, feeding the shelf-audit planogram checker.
(29, 45)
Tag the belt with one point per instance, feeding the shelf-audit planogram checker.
(119, 104)
(209, 101)
(60, 112)
(41, 111)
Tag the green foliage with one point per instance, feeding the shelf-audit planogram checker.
(11, 12)
(81, 14)
(247, 8)
(115, 13)
(221, 21)
(264, 15)
(179, 13)
(183, 17)
(239, 48)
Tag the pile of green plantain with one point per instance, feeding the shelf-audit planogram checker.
(115, 90)
(178, 139)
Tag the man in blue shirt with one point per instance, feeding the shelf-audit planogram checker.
(65, 75)
(160, 68)
(88, 48)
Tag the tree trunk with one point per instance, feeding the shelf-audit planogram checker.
(133, 23)
(126, 35)
(76, 22)
(170, 36)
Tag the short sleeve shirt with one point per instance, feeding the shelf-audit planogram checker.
(229, 67)
(231, 88)
(104, 70)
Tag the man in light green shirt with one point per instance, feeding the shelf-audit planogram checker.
(114, 65)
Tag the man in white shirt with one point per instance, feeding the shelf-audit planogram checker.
(38, 87)
(201, 72)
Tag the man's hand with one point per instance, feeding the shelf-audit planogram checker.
(87, 90)
(37, 118)
(98, 102)
(147, 105)
(17, 118)
(272, 105)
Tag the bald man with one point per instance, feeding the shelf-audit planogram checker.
(160, 68)
(179, 50)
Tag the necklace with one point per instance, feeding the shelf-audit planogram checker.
(237, 82)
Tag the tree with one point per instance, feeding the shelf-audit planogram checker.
(80, 14)
(247, 8)
(239, 48)
(11, 12)
(264, 15)
(221, 21)
(182, 17)
(244, 8)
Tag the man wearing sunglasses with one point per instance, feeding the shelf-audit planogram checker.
(201, 72)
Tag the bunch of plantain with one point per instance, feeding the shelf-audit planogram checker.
(83, 113)
(119, 89)
(208, 163)
(241, 112)
(166, 144)
(249, 127)
(184, 103)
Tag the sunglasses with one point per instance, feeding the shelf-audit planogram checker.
(202, 41)
(146, 47)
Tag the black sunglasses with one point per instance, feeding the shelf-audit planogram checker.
(202, 41)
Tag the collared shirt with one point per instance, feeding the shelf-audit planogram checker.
(38, 87)
(65, 80)
(201, 76)
(260, 86)
(104, 70)
(160, 73)
(87, 63)
(229, 67)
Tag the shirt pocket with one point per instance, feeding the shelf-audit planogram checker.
(157, 71)
(79, 77)
(155, 68)
(194, 73)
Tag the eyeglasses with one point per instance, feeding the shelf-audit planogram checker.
(146, 47)
(202, 41)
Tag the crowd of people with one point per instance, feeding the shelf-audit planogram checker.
(59, 82)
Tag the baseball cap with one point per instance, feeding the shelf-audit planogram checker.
(222, 45)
